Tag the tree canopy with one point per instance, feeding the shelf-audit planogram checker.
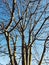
(24, 32)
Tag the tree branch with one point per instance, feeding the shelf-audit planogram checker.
(40, 62)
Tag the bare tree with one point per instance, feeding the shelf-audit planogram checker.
(26, 20)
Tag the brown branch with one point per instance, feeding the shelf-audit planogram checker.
(12, 13)
(43, 51)
(21, 18)
(38, 19)
(16, 25)
(38, 31)
(41, 26)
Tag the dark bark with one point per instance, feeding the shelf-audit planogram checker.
(23, 49)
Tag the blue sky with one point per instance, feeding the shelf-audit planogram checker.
(38, 45)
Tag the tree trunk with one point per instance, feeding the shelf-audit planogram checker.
(30, 56)
(26, 55)
(23, 50)
(14, 54)
(9, 48)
